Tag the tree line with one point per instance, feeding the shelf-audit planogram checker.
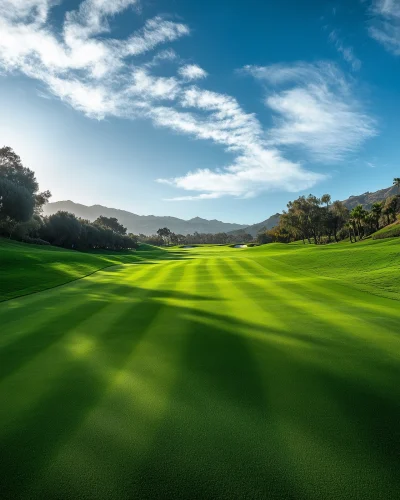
(319, 221)
(165, 237)
(21, 214)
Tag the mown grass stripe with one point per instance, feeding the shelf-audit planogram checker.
(52, 371)
(322, 407)
(35, 305)
(57, 354)
(131, 392)
(332, 315)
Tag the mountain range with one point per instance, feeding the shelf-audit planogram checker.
(143, 224)
(148, 224)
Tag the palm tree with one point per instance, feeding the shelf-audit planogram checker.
(396, 182)
(358, 215)
(390, 209)
(376, 210)
(340, 214)
(369, 219)
(349, 227)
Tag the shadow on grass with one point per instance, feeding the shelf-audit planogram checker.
(218, 436)
(29, 270)
(26, 347)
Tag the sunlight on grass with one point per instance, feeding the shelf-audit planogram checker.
(81, 346)
(266, 373)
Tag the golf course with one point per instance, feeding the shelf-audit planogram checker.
(209, 372)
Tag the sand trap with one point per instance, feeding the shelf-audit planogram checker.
(240, 246)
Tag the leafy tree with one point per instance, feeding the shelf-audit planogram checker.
(110, 223)
(396, 182)
(66, 230)
(173, 239)
(165, 234)
(263, 238)
(326, 199)
(62, 229)
(279, 234)
(180, 239)
(19, 191)
(16, 205)
(40, 201)
(339, 216)
(11, 168)
(28, 230)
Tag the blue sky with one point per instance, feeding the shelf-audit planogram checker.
(221, 109)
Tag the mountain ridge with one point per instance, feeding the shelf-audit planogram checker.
(143, 224)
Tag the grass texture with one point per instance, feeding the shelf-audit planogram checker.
(25, 269)
(391, 231)
(208, 373)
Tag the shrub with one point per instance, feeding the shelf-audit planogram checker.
(35, 241)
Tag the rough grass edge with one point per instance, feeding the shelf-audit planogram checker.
(391, 232)
(61, 284)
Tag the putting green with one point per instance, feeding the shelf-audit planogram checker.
(268, 372)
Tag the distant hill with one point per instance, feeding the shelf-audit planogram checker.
(367, 199)
(254, 229)
(145, 224)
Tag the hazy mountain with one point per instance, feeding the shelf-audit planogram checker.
(256, 228)
(145, 224)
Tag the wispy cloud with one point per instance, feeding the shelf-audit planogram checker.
(385, 24)
(346, 51)
(167, 55)
(192, 72)
(97, 74)
(93, 73)
(314, 109)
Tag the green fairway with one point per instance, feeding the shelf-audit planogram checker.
(207, 373)
(25, 269)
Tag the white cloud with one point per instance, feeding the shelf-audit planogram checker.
(192, 72)
(94, 101)
(385, 24)
(97, 75)
(24, 9)
(155, 32)
(387, 8)
(152, 87)
(314, 109)
(163, 56)
(347, 52)
(298, 73)
(32, 47)
(257, 170)
(204, 196)
(91, 17)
